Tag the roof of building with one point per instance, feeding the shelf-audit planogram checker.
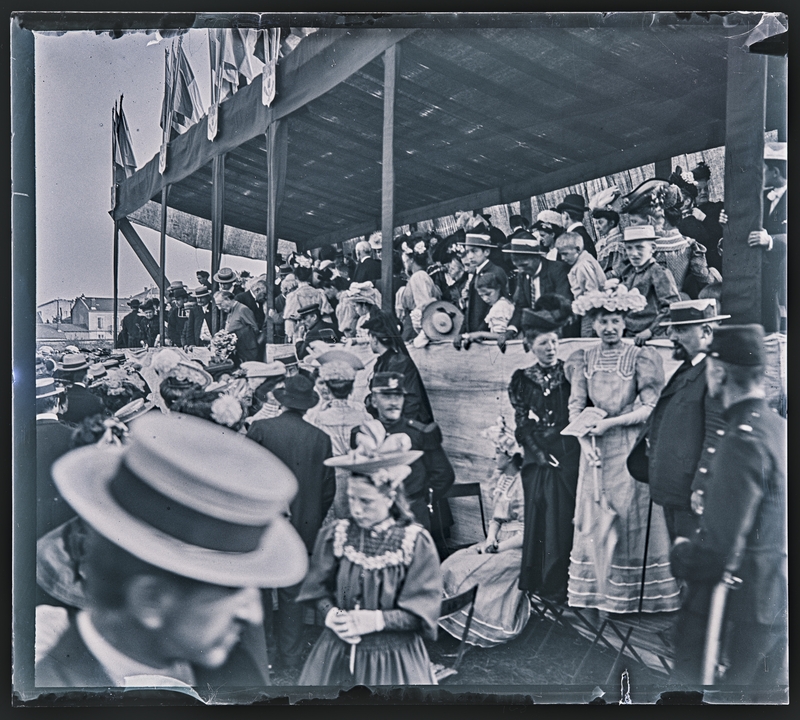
(100, 304)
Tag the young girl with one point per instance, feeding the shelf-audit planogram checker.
(375, 576)
(491, 290)
(501, 608)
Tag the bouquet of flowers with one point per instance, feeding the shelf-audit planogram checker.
(223, 345)
(614, 297)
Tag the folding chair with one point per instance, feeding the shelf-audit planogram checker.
(472, 489)
(449, 606)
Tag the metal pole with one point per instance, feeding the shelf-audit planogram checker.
(162, 264)
(390, 59)
(644, 559)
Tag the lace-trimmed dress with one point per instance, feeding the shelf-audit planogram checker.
(393, 568)
(605, 570)
(501, 609)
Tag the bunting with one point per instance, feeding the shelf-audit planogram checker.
(267, 49)
(180, 108)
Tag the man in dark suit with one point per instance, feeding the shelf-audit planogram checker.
(254, 299)
(316, 329)
(148, 323)
(432, 474)
(478, 247)
(200, 313)
(52, 441)
(130, 336)
(173, 558)
(741, 542)
(537, 276)
(80, 402)
(573, 208)
(303, 448)
(367, 267)
(240, 321)
(685, 419)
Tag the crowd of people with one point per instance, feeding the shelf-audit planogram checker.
(196, 543)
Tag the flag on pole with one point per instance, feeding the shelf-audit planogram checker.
(267, 49)
(124, 160)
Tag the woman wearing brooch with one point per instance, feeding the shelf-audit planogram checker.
(501, 608)
(611, 511)
(539, 396)
(375, 576)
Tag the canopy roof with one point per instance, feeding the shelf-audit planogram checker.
(483, 116)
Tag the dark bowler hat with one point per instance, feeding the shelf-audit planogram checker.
(297, 393)
(46, 387)
(308, 309)
(572, 202)
(135, 304)
(389, 383)
(693, 312)
(180, 292)
(739, 345)
(203, 273)
(180, 496)
(74, 362)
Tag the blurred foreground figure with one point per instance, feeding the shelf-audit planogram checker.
(177, 540)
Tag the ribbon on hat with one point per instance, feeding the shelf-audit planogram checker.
(373, 443)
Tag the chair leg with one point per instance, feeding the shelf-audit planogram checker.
(462, 648)
(598, 635)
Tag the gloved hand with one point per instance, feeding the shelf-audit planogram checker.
(364, 622)
(338, 621)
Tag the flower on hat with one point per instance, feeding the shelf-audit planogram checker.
(373, 442)
(302, 261)
(336, 370)
(226, 410)
(503, 437)
(614, 297)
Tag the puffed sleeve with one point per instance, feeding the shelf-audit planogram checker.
(320, 583)
(421, 593)
(574, 369)
(649, 376)
(698, 265)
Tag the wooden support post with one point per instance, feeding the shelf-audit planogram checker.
(217, 228)
(162, 265)
(744, 178)
(664, 168)
(390, 61)
(138, 246)
(116, 282)
(272, 238)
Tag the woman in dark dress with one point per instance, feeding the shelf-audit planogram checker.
(386, 341)
(539, 395)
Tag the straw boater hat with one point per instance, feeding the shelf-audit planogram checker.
(441, 320)
(385, 457)
(524, 243)
(226, 275)
(633, 233)
(255, 369)
(97, 371)
(775, 151)
(73, 362)
(180, 496)
(201, 292)
(134, 409)
(340, 356)
(478, 237)
(47, 387)
(693, 312)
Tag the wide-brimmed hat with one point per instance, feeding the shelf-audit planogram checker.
(572, 202)
(634, 233)
(97, 371)
(739, 345)
(693, 312)
(337, 372)
(47, 387)
(201, 292)
(376, 452)
(180, 496)
(297, 393)
(643, 195)
(134, 409)
(441, 320)
(74, 362)
(343, 356)
(478, 237)
(175, 285)
(134, 303)
(226, 275)
(255, 369)
(524, 243)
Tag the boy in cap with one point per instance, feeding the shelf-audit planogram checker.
(177, 541)
(585, 273)
(741, 543)
(478, 248)
(652, 280)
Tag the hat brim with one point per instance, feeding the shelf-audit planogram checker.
(516, 251)
(368, 466)
(51, 393)
(702, 321)
(133, 409)
(341, 356)
(295, 403)
(441, 306)
(76, 368)
(566, 206)
(83, 477)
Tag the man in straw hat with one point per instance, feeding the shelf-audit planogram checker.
(432, 475)
(684, 420)
(197, 330)
(741, 543)
(52, 441)
(130, 336)
(478, 246)
(304, 449)
(80, 402)
(178, 539)
(537, 276)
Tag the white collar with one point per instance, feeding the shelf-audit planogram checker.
(123, 669)
(481, 266)
(574, 225)
(697, 359)
(46, 416)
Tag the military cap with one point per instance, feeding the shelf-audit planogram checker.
(739, 345)
(391, 383)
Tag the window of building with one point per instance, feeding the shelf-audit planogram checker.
(99, 323)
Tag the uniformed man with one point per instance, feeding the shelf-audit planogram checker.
(432, 475)
(315, 329)
(685, 417)
(741, 541)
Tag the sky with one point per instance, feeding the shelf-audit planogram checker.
(79, 76)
